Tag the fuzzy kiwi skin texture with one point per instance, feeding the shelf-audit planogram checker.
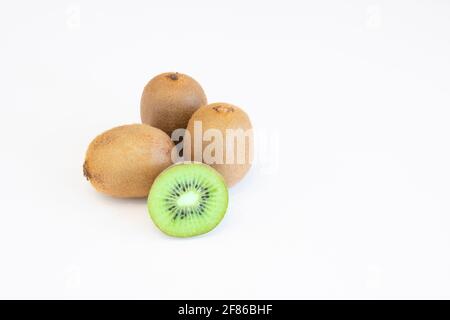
(223, 116)
(124, 161)
(169, 100)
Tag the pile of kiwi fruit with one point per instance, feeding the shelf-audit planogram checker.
(186, 197)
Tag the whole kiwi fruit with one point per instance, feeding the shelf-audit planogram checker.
(124, 161)
(225, 118)
(169, 100)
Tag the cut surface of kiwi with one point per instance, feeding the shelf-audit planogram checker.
(188, 199)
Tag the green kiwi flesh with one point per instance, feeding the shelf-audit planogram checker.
(188, 199)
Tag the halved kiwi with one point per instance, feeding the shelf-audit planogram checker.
(188, 199)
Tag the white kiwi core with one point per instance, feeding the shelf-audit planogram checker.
(188, 199)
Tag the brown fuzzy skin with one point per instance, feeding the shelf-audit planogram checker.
(169, 100)
(124, 161)
(223, 116)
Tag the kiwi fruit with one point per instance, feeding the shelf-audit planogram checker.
(169, 100)
(188, 199)
(124, 161)
(235, 156)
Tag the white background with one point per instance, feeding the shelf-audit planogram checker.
(350, 200)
